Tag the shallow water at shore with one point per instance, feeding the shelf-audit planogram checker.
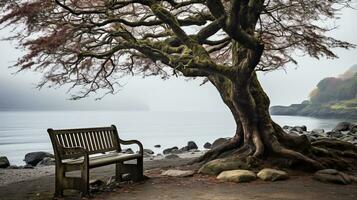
(23, 132)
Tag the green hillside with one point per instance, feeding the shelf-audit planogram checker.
(333, 97)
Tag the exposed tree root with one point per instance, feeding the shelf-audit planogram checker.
(321, 154)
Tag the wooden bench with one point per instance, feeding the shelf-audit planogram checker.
(82, 149)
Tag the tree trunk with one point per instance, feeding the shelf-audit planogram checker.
(258, 137)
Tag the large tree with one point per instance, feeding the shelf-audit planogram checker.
(90, 44)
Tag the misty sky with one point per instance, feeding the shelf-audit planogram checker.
(283, 87)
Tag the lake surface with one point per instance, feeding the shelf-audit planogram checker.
(23, 132)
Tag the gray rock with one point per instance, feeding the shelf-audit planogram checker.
(272, 175)
(334, 134)
(237, 176)
(157, 146)
(343, 126)
(128, 151)
(148, 151)
(207, 145)
(172, 156)
(219, 142)
(191, 145)
(178, 173)
(299, 129)
(169, 150)
(4, 162)
(34, 158)
(47, 161)
(332, 176)
(183, 149)
(287, 127)
(318, 131)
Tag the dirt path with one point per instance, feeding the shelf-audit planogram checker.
(203, 188)
(197, 187)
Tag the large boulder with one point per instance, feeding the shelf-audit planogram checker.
(207, 145)
(169, 150)
(34, 158)
(343, 126)
(237, 176)
(4, 162)
(332, 176)
(219, 142)
(178, 173)
(215, 167)
(272, 174)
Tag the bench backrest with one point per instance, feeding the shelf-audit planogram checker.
(94, 140)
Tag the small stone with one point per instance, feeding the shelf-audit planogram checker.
(178, 173)
(148, 151)
(157, 146)
(207, 145)
(237, 176)
(299, 129)
(334, 134)
(287, 127)
(172, 156)
(183, 149)
(272, 175)
(169, 150)
(4, 162)
(318, 131)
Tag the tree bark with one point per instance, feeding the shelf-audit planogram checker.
(259, 137)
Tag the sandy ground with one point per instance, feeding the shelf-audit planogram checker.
(206, 188)
(26, 184)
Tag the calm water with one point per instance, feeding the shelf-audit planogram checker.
(23, 132)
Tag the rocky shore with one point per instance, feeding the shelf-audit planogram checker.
(42, 163)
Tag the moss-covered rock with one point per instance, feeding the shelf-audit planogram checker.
(215, 167)
(272, 174)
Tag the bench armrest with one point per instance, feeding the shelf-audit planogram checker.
(128, 142)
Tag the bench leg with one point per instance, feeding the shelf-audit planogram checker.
(85, 181)
(139, 173)
(59, 182)
(118, 171)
